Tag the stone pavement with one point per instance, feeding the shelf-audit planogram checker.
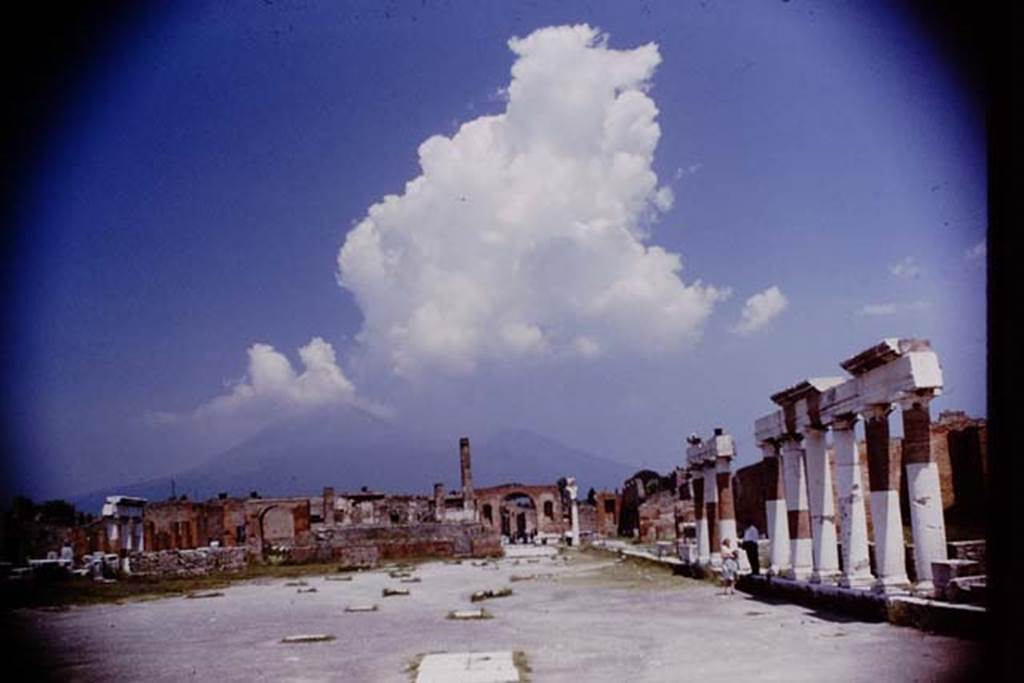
(593, 617)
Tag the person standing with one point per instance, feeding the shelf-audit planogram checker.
(730, 565)
(750, 538)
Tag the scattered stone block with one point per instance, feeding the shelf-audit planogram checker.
(338, 578)
(361, 608)
(311, 589)
(522, 577)
(470, 614)
(400, 574)
(411, 579)
(389, 592)
(292, 584)
(208, 594)
(308, 638)
(945, 571)
(488, 594)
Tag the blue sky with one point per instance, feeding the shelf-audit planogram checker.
(195, 198)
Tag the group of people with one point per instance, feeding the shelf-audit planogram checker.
(731, 558)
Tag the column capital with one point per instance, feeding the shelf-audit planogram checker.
(791, 439)
(844, 422)
(810, 429)
(876, 410)
(918, 399)
(769, 448)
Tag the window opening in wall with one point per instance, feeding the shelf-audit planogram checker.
(609, 506)
(549, 509)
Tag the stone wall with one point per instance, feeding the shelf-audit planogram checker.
(183, 563)
(356, 547)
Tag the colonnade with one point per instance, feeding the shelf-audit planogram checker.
(709, 466)
(800, 503)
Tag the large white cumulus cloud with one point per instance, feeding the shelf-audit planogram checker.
(524, 234)
(272, 387)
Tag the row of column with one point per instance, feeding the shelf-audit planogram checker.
(801, 512)
(713, 507)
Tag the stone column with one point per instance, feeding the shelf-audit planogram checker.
(711, 510)
(439, 502)
(883, 476)
(926, 518)
(466, 471)
(328, 506)
(799, 518)
(853, 520)
(825, 552)
(775, 507)
(573, 491)
(703, 546)
(726, 507)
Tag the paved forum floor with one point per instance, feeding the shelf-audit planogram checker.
(590, 618)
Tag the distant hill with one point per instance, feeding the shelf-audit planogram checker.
(351, 449)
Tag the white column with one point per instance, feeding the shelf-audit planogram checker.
(700, 517)
(573, 491)
(775, 507)
(853, 519)
(926, 518)
(822, 507)
(800, 555)
(890, 565)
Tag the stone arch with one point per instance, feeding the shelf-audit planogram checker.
(277, 524)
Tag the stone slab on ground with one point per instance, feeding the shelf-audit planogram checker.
(361, 608)
(468, 667)
(308, 638)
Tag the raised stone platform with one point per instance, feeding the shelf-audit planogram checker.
(468, 667)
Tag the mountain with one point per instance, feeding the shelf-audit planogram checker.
(351, 448)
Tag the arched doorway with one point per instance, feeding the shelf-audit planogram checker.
(518, 517)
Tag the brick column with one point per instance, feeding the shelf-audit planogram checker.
(466, 472)
(883, 476)
(328, 515)
(853, 520)
(711, 509)
(926, 518)
(800, 555)
(825, 552)
(726, 507)
(703, 546)
(775, 507)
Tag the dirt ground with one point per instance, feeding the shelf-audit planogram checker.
(575, 616)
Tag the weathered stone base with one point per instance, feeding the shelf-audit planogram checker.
(967, 621)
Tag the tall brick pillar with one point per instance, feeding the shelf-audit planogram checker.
(711, 512)
(726, 506)
(466, 470)
(328, 515)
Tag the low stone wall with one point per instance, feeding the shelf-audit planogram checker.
(367, 546)
(181, 563)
